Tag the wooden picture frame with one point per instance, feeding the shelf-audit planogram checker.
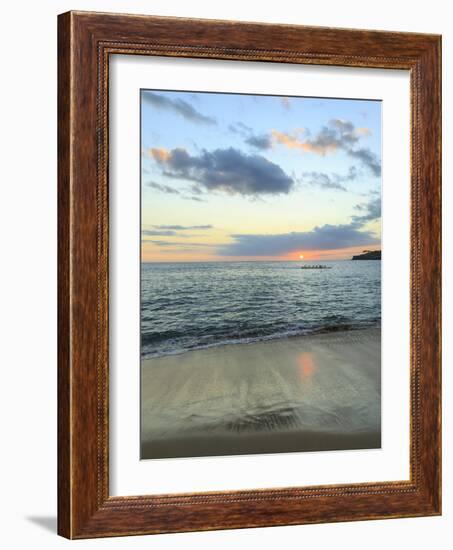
(85, 42)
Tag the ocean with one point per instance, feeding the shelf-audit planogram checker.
(186, 306)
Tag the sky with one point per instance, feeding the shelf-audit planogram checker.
(235, 177)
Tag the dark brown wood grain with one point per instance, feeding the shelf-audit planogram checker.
(64, 390)
(86, 40)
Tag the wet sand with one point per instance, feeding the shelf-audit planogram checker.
(307, 393)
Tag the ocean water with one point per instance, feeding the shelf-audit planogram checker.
(185, 306)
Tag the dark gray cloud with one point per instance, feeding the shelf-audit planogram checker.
(326, 237)
(330, 181)
(228, 170)
(183, 227)
(162, 188)
(261, 142)
(240, 128)
(371, 211)
(323, 180)
(171, 190)
(172, 230)
(176, 243)
(179, 106)
(158, 233)
(368, 158)
(340, 134)
(345, 128)
(336, 135)
(195, 199)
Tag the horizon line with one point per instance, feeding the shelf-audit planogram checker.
(241, 261)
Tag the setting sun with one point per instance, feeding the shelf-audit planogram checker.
(301, 257)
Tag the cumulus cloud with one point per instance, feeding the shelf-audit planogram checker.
(171, 190)
(240, 128)
(371, 211)
(337, 135)
(162, 188)
(368, 158)
(320, 179)
(261, 142)
(178, 106)
(325, 237)
(291, 141)
(228, 170)
(330, 181)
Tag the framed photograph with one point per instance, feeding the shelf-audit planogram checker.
(249, 275)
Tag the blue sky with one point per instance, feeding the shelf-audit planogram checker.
(258, 177)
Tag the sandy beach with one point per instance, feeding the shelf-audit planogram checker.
(305, 393)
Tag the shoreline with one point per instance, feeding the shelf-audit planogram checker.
(298, 393)
(268, 338)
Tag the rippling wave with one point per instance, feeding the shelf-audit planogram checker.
(196, 305)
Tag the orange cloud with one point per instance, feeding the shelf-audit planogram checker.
(159, 154)
(319, 148)
(292, 142)
(339, 134)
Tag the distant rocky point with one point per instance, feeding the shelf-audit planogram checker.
(368, 255)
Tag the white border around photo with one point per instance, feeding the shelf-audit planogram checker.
(128, 474)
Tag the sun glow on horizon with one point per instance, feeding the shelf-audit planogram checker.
(208, 155)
